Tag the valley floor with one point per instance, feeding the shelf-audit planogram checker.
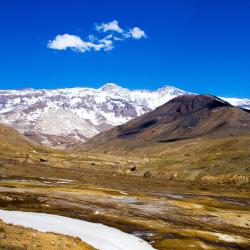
(167, 214)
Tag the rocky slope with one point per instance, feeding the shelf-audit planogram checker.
(67, 116)
(183, 117)
(64, 117)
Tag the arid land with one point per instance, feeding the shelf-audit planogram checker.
(185, 202)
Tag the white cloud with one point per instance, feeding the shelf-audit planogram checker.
(96, 42)
(63, 42)
(111, 26)
(137, 33)
(107, 43)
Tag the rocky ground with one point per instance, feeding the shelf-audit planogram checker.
(184, 197)
(169, 216)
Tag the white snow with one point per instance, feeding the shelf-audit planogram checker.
(229, 238)
(59, 122)
(243, 103)
(97, 235)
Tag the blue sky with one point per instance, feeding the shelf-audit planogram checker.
(200, 46)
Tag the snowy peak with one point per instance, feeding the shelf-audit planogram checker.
(170, 92)
(243, 103)
(170, 89)
(110, 87)
(114, 89)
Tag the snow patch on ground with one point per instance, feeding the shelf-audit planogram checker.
(97, 235)
(229, 238)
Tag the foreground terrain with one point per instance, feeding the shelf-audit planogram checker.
(169, 215)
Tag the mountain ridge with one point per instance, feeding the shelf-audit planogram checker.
(64, 117)
(183, 117)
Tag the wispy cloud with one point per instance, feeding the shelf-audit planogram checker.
(137, 33)
(111, 26)
(107, 34)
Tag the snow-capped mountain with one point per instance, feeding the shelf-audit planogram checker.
(242, 103)
(63, 117)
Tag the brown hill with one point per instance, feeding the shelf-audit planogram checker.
(12, 141)
(184, 117)
(14, 145)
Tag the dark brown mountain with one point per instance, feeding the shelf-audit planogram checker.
(184, 117)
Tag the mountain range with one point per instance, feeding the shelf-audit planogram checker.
(65, 117)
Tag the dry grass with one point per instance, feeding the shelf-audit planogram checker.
(20, 238)
(205, 160)
(218, 160)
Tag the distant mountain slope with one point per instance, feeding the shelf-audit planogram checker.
(65, 117)
(242, 103)
(11, 142)
(68, 116)
(183, 117)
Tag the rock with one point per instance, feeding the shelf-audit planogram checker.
(27, 156)
(43, 160)
(147, 174)
(174, 176)
(133, 169)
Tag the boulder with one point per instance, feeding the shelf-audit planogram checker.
(147, 174)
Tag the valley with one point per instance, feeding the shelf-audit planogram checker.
(169, 216)
(169, 209)
(186, 188)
